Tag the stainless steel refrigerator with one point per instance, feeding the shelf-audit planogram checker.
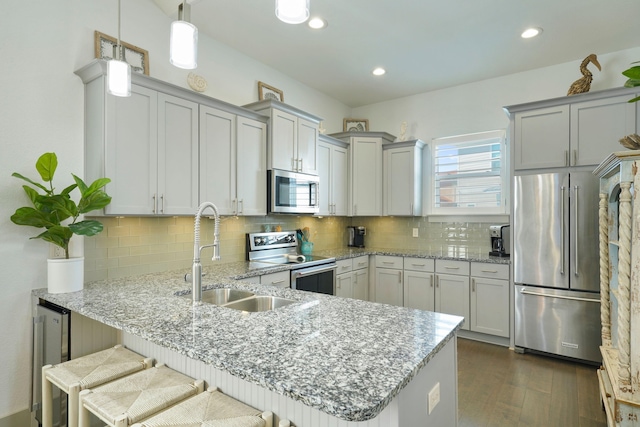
(556, 264)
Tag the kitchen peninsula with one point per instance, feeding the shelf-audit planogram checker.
(321, 361)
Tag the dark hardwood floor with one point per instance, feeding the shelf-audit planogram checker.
(498, 387)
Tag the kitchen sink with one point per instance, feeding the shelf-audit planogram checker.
(223, 296)
(259, 303)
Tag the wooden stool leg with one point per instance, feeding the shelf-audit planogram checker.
(47, 398)
(74, 391)
(84, 419)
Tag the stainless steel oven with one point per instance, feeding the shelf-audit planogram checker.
(308, 272)
(291, 192)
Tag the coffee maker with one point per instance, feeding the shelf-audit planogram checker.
(500, 240)
(356, 236)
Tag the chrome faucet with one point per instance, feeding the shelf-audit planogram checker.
(196, 272)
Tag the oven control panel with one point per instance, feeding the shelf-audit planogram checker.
(260, 241)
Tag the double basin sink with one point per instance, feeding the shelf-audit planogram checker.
(243, 300)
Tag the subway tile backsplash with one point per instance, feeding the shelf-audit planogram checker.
(133, 246)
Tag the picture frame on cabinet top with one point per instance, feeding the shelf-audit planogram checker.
(137, 57)
(355, 125)
(266, 91)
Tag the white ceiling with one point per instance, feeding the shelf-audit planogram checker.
(423, 44)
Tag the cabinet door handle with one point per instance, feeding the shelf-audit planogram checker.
(162, 203)
(154, 203)
(355, 209)
(294, 163)
(566, 157)
(388, 262)
(235, 206)
(418, 265)
(437, 280)
(399, 276)
(473, 285)
(300, 167)
(410, 208)
(431, 280)
(577, 218)
(575, 157)
(241, 206)
(277, 281)
(489, 271)
(452, 268)
(362, 263)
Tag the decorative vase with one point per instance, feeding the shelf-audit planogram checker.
(65, 275)
(306, 248)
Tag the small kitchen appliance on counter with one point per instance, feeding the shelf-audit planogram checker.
(356, 236)
(500, 240)
(308, 273)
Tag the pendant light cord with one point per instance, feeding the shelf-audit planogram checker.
(118, 41)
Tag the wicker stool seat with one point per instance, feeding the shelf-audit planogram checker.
(131, 399)
(84, 372)
(210, 409)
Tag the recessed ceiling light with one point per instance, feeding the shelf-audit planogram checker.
(379, 71)
(531, 32)
(317, 23)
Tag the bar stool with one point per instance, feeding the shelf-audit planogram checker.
(210, 409)
(83, 372)
(135, 397)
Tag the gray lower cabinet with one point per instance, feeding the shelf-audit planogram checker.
(352, 278)
(452, 289)
(489, 300)
(389, 287)
(419, 281)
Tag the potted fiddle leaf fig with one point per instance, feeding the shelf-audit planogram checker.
(58, 214)
(633, 75)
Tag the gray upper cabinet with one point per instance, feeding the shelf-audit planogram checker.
(576, 130)
(293, 137)
(154, 146)
(402, 178)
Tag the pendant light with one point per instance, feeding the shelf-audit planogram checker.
(292, 11)
(118, 70)
(183, 47)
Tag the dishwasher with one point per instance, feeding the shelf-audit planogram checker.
(51, 345)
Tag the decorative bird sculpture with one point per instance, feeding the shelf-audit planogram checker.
(583, 84)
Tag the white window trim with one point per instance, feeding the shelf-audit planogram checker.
(503, 210)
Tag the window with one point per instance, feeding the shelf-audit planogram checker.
(469, 174)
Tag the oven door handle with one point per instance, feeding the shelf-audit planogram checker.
(303, 272)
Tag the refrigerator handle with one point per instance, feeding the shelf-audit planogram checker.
(576, 245)
(37, 362)
(562, 229)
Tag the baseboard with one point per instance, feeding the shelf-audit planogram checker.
(19, 419)
(490, 339)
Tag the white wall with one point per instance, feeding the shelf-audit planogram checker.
(43, 42)
(477, 107)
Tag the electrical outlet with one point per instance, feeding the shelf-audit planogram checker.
(55, 251)
(433, 398)
(415, 232)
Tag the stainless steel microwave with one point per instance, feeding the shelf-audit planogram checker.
(293, 193)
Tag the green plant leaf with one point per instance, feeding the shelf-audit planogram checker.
(47, 165)
(33, 217)
(80, 183)
(69, 189)
(95, 185)
(58, 235)
(636, 99)
(632, 83)
(88, 227)
(60, 205)
(40, 186)
(633, 72)
(33, 194)
(96, 200)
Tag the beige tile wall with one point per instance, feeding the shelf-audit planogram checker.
(132, 246)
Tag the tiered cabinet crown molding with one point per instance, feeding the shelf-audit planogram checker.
(619, 374)
(148, 143)
(293, 136)
(365, 171)
(577, 130)
(402, 178)
(333, 169)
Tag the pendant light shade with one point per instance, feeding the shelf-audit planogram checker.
(292, 11)
(118, 78)
(183, 47)
(118, 70)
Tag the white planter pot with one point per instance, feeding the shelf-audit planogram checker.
(65, 275)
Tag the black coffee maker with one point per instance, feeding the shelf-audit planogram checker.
(356, 236)
(500, 240)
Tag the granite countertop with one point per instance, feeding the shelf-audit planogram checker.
(345, 357)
